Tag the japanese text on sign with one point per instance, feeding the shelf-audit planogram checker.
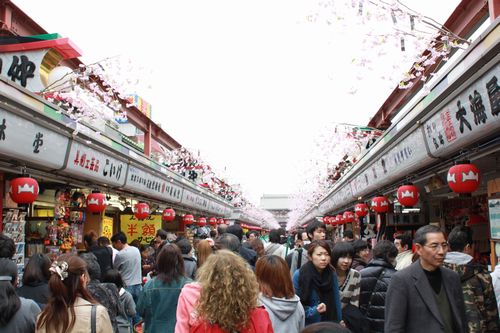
(142, 230)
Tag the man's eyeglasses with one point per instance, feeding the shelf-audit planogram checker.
(436, 246)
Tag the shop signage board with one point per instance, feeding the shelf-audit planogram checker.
(144, 182)
(142, 230)
(22, 139)
(193, 200)
(89, 163)
(472, 115)
(494, 215)
(216, 208)
(25, 68)
(107, 227)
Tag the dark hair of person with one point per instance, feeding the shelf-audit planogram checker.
(459, 237)
(421, 233)
(135, 243)
(7, 247)
(325, 327)
(119, 236)
(162, 234)
(55, 316)
(93, 267)
(405, 240)
(313, 226)
(299, 233)
(229, 242)
(144, 247)
(169, 264)
(37, 269)
(184, 245)
(236, 230)
(90, 238)
(114, 276)
(252, 232)
(274, 236)
(319, 243)
(385, 250)
(103, 241)
(213, 233)
(273, 276)
(349, 234)
(359, 245)
(221, 229)
(9, 301)
(341, 249)
(258, 246)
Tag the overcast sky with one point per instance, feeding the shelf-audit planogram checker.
(248, 83)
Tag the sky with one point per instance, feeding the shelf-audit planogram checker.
(249, 84)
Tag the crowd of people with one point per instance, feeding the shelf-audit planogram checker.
(235, 282)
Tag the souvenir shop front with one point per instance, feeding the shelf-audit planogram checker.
(60, 179)
(439, 161)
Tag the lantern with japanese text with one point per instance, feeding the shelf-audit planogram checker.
(24, 190)
(380, 204)
(348, 217)
(212, 221)
(463, 178)
(326, 220)
(188, 219)
(340, 219)
(202, 222)
(361, 209)
(141, 211)
(408, 195)
(168, 215)
(96, 202)
(220, 221)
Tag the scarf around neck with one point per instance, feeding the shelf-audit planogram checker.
(310, 279)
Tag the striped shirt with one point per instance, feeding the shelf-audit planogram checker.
(349, 290)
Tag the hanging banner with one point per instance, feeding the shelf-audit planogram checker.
(107, 227)
(142, 230)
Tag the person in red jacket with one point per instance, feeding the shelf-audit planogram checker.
(224, 299)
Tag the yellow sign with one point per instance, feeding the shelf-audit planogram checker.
(142, 230)
(107, 227)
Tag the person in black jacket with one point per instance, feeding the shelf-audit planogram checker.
(36, 279)
(103, 254)
(375, 280)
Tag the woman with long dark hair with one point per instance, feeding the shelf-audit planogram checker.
(317, 286)
(158, 302)
(277, 294)
(36, 279)
(17, 314)
(70, 307)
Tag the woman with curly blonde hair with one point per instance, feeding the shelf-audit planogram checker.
(224, 299)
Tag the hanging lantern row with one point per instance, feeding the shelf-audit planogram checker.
(141, 211)
(168, 215)
(96, 202)
(463, 178)
(361, 209)
(24, 190)
(408, 195)
(380, 204)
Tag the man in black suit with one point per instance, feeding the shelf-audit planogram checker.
(426, 297)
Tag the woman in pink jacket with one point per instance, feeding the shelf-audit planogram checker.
(224, 299)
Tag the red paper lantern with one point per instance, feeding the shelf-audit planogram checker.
(463, 178)
(188, 219)
(202, 222)
(168, 215)
(220, 221)
(326, 220)
(348, 217)
(380, 204)
(212, 221)
(23, 190)
(141, 210)
(340, 219)
(361, 209)
(96, 202)
(408, 195)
